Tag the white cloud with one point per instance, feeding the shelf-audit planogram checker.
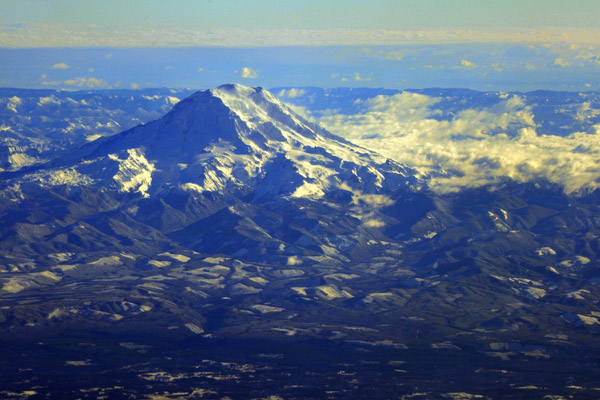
(169, 68)
(63, 35)
(466, 64)
(561, 62)
(366, 206)
(88, 82)
(291, 93)
(60, 66)
(359, 77)
(248, 73)
(378, 200)
(476, 147)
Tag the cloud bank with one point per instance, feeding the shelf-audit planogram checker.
(475, 147)
(60, 35)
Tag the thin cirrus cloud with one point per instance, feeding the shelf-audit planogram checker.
(70, 35)
(461, 152)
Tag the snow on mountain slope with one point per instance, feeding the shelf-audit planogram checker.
(232, 139)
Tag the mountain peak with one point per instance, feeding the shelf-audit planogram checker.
(237, 89)
(238, 140)
(257, 105)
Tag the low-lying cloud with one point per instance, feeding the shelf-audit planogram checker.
(473, 148)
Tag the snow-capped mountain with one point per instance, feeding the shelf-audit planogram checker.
(232, 216)
(223, 150)
(236, 139)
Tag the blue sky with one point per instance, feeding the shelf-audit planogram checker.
(310, 14)
(479, 44)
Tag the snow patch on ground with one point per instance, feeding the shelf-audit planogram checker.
(327, 292)
(215, 260)
(294, 260)
(59, 177)
(287, 331)
(577, 294)
(65, 267)
(112, 260)
(214, 271)
(194, 328)
(578, 320)
(536, 293)
(340, 276)
(13, 103)
(259, 280)
(376, 297)
(19, 283)
(545, 251)
(176, 257)
(264, 309)
(240, 288)
(135, 172)
(287, 273)
(78, 363)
